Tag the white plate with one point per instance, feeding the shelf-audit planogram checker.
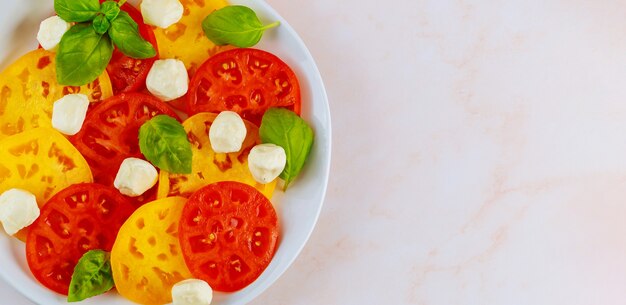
(298, 209)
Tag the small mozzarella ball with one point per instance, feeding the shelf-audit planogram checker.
(227, 132)
(69, 112)
(18, 210)
(51, 31)
(192, 292)
(168, 79)
(161, 13)
(135, 177)
(266, 162)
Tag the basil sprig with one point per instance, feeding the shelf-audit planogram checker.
(86, 49)
(163, 141)
(286, 129)
(236, 25)
(92, 276)
(83, 55)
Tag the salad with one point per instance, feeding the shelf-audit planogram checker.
(142, 146)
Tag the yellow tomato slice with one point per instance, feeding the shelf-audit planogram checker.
(146, 259)
(28, 90)
(185, 40)
(41, 161)
(210, 167)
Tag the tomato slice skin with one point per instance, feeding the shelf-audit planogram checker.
(80, 218)
(146, 258)
(228, 233)
(111, 131)
(247, 81)
(28, 90)
(129, 74)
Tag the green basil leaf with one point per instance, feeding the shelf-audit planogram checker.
(110, 9)
(163, 141)
(286, 129)
(235, 25)
(92, 276)
(82, 56)
(77, 10)
(101, 24)
(124, 32)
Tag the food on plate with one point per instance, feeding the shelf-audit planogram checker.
(168, 79)
(111, 130)
(51, 31)
(92, 276)
(42, 162)
(87, 47)
(28, 89)
(227, 132)
(80, 218)
(80, 161)
(246, 81)
(228, 234)
(185, 39)
(129, 74)
(18, 209)
(69, 112)
(161, 13)
(192, 292)
(135, 177)
(164, 142)
(289, 131)
(207, 165)
(146, 259)
(266, 162)
(235, 25)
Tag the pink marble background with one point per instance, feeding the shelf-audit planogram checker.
(479, 154)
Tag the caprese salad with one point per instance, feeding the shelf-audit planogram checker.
(140, 148)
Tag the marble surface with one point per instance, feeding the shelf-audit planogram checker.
(479, 154)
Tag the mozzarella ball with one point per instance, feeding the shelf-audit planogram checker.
(18, 210)
(168, 79)
(51, 31)
(161, 13)
(135, 177)
(266, 162)
(227, 132)
(192, 292)
(69, 112)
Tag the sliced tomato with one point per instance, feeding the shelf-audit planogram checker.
(207, 166)
(185, 40)
(80, 218)
(29, 88)
(129, 74)
(228, 234)
(146, 259)
(110, 134)
(41, 161)
(247, 81)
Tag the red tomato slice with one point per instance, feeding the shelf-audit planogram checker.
(129, 74)
(80, 218)
(228, 234)
(247, 81)
(110, 134)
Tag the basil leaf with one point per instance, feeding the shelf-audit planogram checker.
(124, 32)
(82, 56)
(286, 129)
(235, 25)
(163, 141)
(101, 24)
(77, 10)
(92, 276)
(110, 9)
